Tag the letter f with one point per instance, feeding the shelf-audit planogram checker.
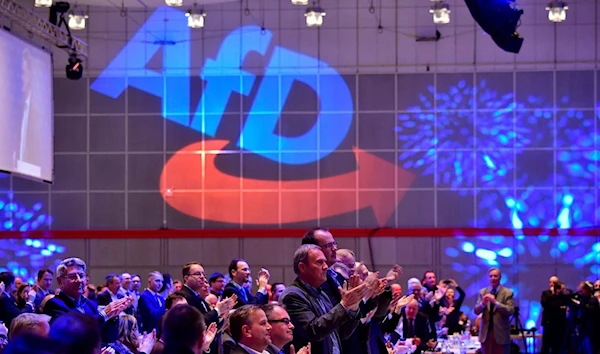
(223, 75)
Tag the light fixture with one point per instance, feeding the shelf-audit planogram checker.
(557, 11)
(77, 19)
(299, 2)
(43, 3)
(314, 16)
(195, 17)
(174, 3)
(440, 11)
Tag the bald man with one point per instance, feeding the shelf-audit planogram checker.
(553, 317)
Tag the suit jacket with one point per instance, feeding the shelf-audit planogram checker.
(501, 313)
(249, 299)
(553, 315)
(9, 310)
(237, 349)
(150, 311)
(39, 297)
(421, 328)
(210, 315)
(62, 304)
(311, 323)
(271, 349)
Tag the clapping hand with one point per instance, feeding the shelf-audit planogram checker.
(224, 306)
(405, 300)
(209, 336)
(262, 279)
(351, 298)
(394, 273)
(303, 350)
(146, 342)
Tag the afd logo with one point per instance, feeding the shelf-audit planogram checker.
(223, 76)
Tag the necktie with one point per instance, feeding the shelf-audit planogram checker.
(204, 306)
(411, 328)
(493, 292)
(158, 300)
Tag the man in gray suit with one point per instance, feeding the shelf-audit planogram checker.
(497, 305)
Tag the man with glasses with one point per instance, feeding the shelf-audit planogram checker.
(70, 275)
(194, 283)
(282, 329)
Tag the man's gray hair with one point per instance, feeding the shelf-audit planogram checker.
(155, 274)
(301, 255)
(61, 270)
(26, 323)
(495, 269)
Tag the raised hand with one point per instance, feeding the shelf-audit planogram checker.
(209, 336)
(394, 273)
(354, 281)
(303, 350)
(147, 341)
(223, 306)
(405, 300)
(107, 350)
(262, 279)
(351, 298)
(394, 302)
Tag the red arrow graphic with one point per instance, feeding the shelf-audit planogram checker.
(192, 184)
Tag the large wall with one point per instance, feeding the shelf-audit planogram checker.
(454, 133)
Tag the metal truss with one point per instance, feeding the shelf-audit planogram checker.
(34, 23)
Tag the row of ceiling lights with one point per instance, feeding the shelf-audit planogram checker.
(557, 12)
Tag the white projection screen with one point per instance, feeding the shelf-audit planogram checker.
(26, 109)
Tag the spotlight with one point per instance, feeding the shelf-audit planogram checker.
(74, 68)
(314, 16)
(499, 19)
(440, 11)
(557, 11)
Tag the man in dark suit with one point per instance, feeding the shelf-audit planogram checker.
(194, 290)
(414, 325)
(497, 305)
(250, 329)
(112, 293)
(151, 305)
(239, 271)
(45, 277)
(316, 320)
(8, 307)
(378, 299)
(554, 318)
(70, 275)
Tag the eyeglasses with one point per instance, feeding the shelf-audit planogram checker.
(201, 275)
(286, 321)
(329, 245)
(74, 276)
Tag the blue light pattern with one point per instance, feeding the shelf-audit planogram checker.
(426, 132)
(26, 256)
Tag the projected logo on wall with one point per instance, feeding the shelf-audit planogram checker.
(191, 182)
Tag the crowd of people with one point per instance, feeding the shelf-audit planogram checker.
(335, 305)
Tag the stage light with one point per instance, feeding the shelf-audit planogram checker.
(77, 20)
(43, 3)
(557, 11)
(440, 11)
(174, 3)
(74, 68)
(299, 2)
(314, 16)
(195, 18)
(499, 19)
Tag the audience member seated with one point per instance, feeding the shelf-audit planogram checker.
(130, 337)
(32, 323)
(78, 332)
(239, 271)
(183, 330)
(8, 306)
(29, 343)
(250, 329)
